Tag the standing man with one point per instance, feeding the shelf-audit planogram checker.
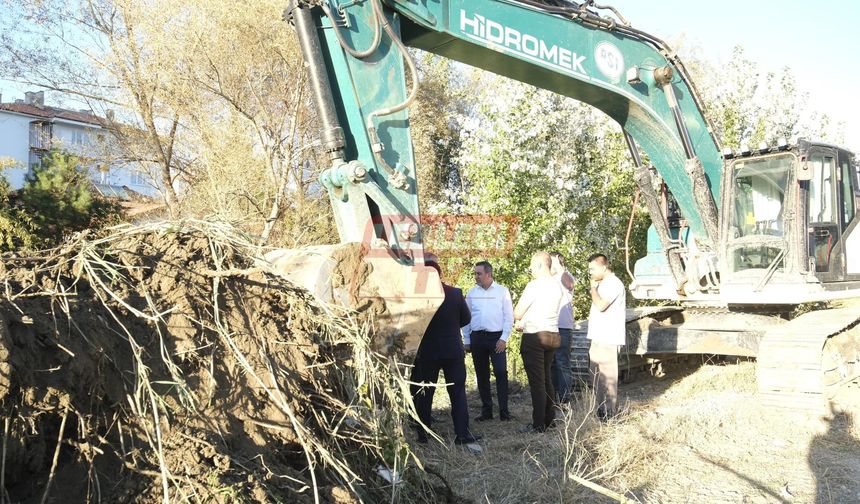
(606, 331)
(561, 372)
(441, 349)
(487, 338)
(537, 310)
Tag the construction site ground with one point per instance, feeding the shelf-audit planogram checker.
(696, 434)
(161, 364)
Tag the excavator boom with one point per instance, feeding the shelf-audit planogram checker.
(356, 52)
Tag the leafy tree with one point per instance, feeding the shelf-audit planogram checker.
(559, 166)
(749, 107)
(435, 121)
(209, 101)
(58, 197)
(16, 228)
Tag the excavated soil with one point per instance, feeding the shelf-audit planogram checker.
(160, 365)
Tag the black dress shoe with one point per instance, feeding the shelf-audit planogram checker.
(530, 429)
(506, 417)
(483, 418)
(604, 415)
(471, 438)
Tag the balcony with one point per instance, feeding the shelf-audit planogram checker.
(41, 135)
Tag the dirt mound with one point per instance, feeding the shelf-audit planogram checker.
(160, 364)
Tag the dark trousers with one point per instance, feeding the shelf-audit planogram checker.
(483, 352)
(537, 360)
(562, 374)
(427, 371)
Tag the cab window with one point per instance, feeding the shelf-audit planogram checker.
(847, 195)
(821, 190)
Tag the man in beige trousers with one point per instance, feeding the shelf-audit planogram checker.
(606, 331)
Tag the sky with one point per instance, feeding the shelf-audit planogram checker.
(819, 41)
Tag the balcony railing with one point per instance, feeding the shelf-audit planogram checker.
(41, 135)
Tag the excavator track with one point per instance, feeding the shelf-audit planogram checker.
(627, 362)
(803, 362)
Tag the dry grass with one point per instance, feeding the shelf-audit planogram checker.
(695, 435)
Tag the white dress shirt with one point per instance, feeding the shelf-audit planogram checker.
(565, 313)
(492, 311)
(608, 326)
(542, 299)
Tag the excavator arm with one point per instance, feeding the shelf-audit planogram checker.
(363, 80)
(357, 56)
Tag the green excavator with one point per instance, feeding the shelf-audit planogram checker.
(738, 241)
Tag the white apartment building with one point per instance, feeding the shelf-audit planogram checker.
(29, 129)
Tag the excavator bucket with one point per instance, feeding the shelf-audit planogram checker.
(399, 300)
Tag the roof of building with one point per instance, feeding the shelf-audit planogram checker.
(113, 191)
(52, 113)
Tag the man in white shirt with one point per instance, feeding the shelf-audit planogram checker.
(606, 330)
(537, 310)
(486, 337)
(562, 374)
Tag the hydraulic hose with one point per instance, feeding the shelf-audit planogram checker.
(397, 178)
(409, 62)
(377, 35)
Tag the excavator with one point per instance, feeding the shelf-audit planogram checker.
(751, 250)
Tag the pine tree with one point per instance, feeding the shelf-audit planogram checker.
(16, 227)
(58, 197)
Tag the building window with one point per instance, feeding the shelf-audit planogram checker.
(80, 137)
(34, 162)
(104, 173)
(138, 178)
(40, 135)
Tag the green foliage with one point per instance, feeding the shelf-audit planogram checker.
(434, 119)
(16, 228)
(560, 167)
(56, 200)
(748, 107)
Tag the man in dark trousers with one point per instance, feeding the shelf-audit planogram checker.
(487, 338)
(442, 349)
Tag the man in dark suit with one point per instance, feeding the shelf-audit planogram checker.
(442, 349)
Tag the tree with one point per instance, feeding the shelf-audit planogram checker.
(254, 122)
(435, 121)
(208, 97)
(560, 166)
(748, 107)
(16, 228)
(106, 54)
(58, 198)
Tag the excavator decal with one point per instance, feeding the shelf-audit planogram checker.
(493, 34)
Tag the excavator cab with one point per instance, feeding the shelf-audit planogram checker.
(788, 226)
(830, 199)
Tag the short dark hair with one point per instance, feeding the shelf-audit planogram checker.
(599, 258)
(435, 266)
(558, 256)
(488, 268)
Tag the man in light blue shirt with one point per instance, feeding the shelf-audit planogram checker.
(486, 337)
(562, 374)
